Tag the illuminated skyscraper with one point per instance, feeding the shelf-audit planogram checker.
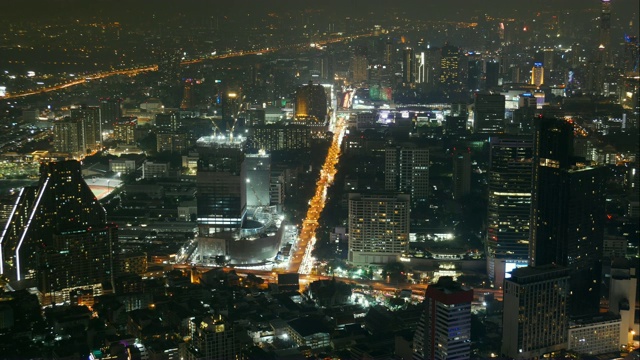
(57, 236)
(311, 105)
(567, 213)
(537, 74)
(213, 338)
(359, 66)
(378, 228)
(221, 201)
(535, 320)
(444, 329)
(474, 74)
(461, 174)
(449, 67)
(169, 67)
(256, 172)
(509, 205)
(92, 127)
(187, 95)
(604, 45)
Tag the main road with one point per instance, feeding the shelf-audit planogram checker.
(146, 68)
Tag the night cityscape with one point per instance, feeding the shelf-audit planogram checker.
(336, 180)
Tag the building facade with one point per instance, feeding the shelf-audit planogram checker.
(378, 227)
(407, 171)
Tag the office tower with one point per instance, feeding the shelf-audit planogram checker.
(92, 128)
(124, 130)
(455, 125)
(525, 114)
(492, 74)
(432, 62)
(57, 236)
(408, 65)
(110, 113)
(421, 67)
(631, 54)
(171, 141)
(167, 121)
(594, 334)
(256, 172)
(378, 228)
(567, 213)
(67, 137)
(407, 171)
(474, 74)
(444, 329)
(509, 205)
(604, 46)
(359, 65)
(535, 319)
(169, 67)
(449, 65)
(461, 174)
(220, 193)
(213, 338)
(622, 297)
(537, 74)
(388, 53)
(488, 115)
(310, 106)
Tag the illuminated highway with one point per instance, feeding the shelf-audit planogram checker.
(302, 260)
(141, 69)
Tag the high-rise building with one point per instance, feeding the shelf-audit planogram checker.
(537, 74)
(622, 298)
(408, 65)
(220, 193)
(256, 172)
(57, 236)
(68, 137)
(378, 228)
(213, 338)
(274, 137)
(474, 74)
(167, 122)
(311, 105)
(444, 329)
(488, 115)
(604, 45)
(492, 74)
(188, 98)
(124, 131)
(407, 171)
(456, 121)
(169, 67)
(567, 213)
(461, 174)
(359, 68)
(421, 68)
(535, 320)
(449, 65)
(92, 126)
(509, 205)
(110, 112)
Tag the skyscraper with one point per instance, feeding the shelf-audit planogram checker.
(408, 66)
(68, 137)
(213, 338)
(57, 236)
(444, 329)
(220, 197)
(537, 74)
(92, 127)
(110, 112)
(567, 213)
(509, 205)
(461, 174)
(407, 171)
(622, 297)
(474, 74)
(492, 74)
(256, 172)
(449, 64)
(359, 66)
(378, 227)
(310, 105)
(535, 320)
(488, 116)
(604, 45)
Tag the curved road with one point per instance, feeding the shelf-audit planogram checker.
(141, 69)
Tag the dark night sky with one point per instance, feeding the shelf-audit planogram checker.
(423, 8)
